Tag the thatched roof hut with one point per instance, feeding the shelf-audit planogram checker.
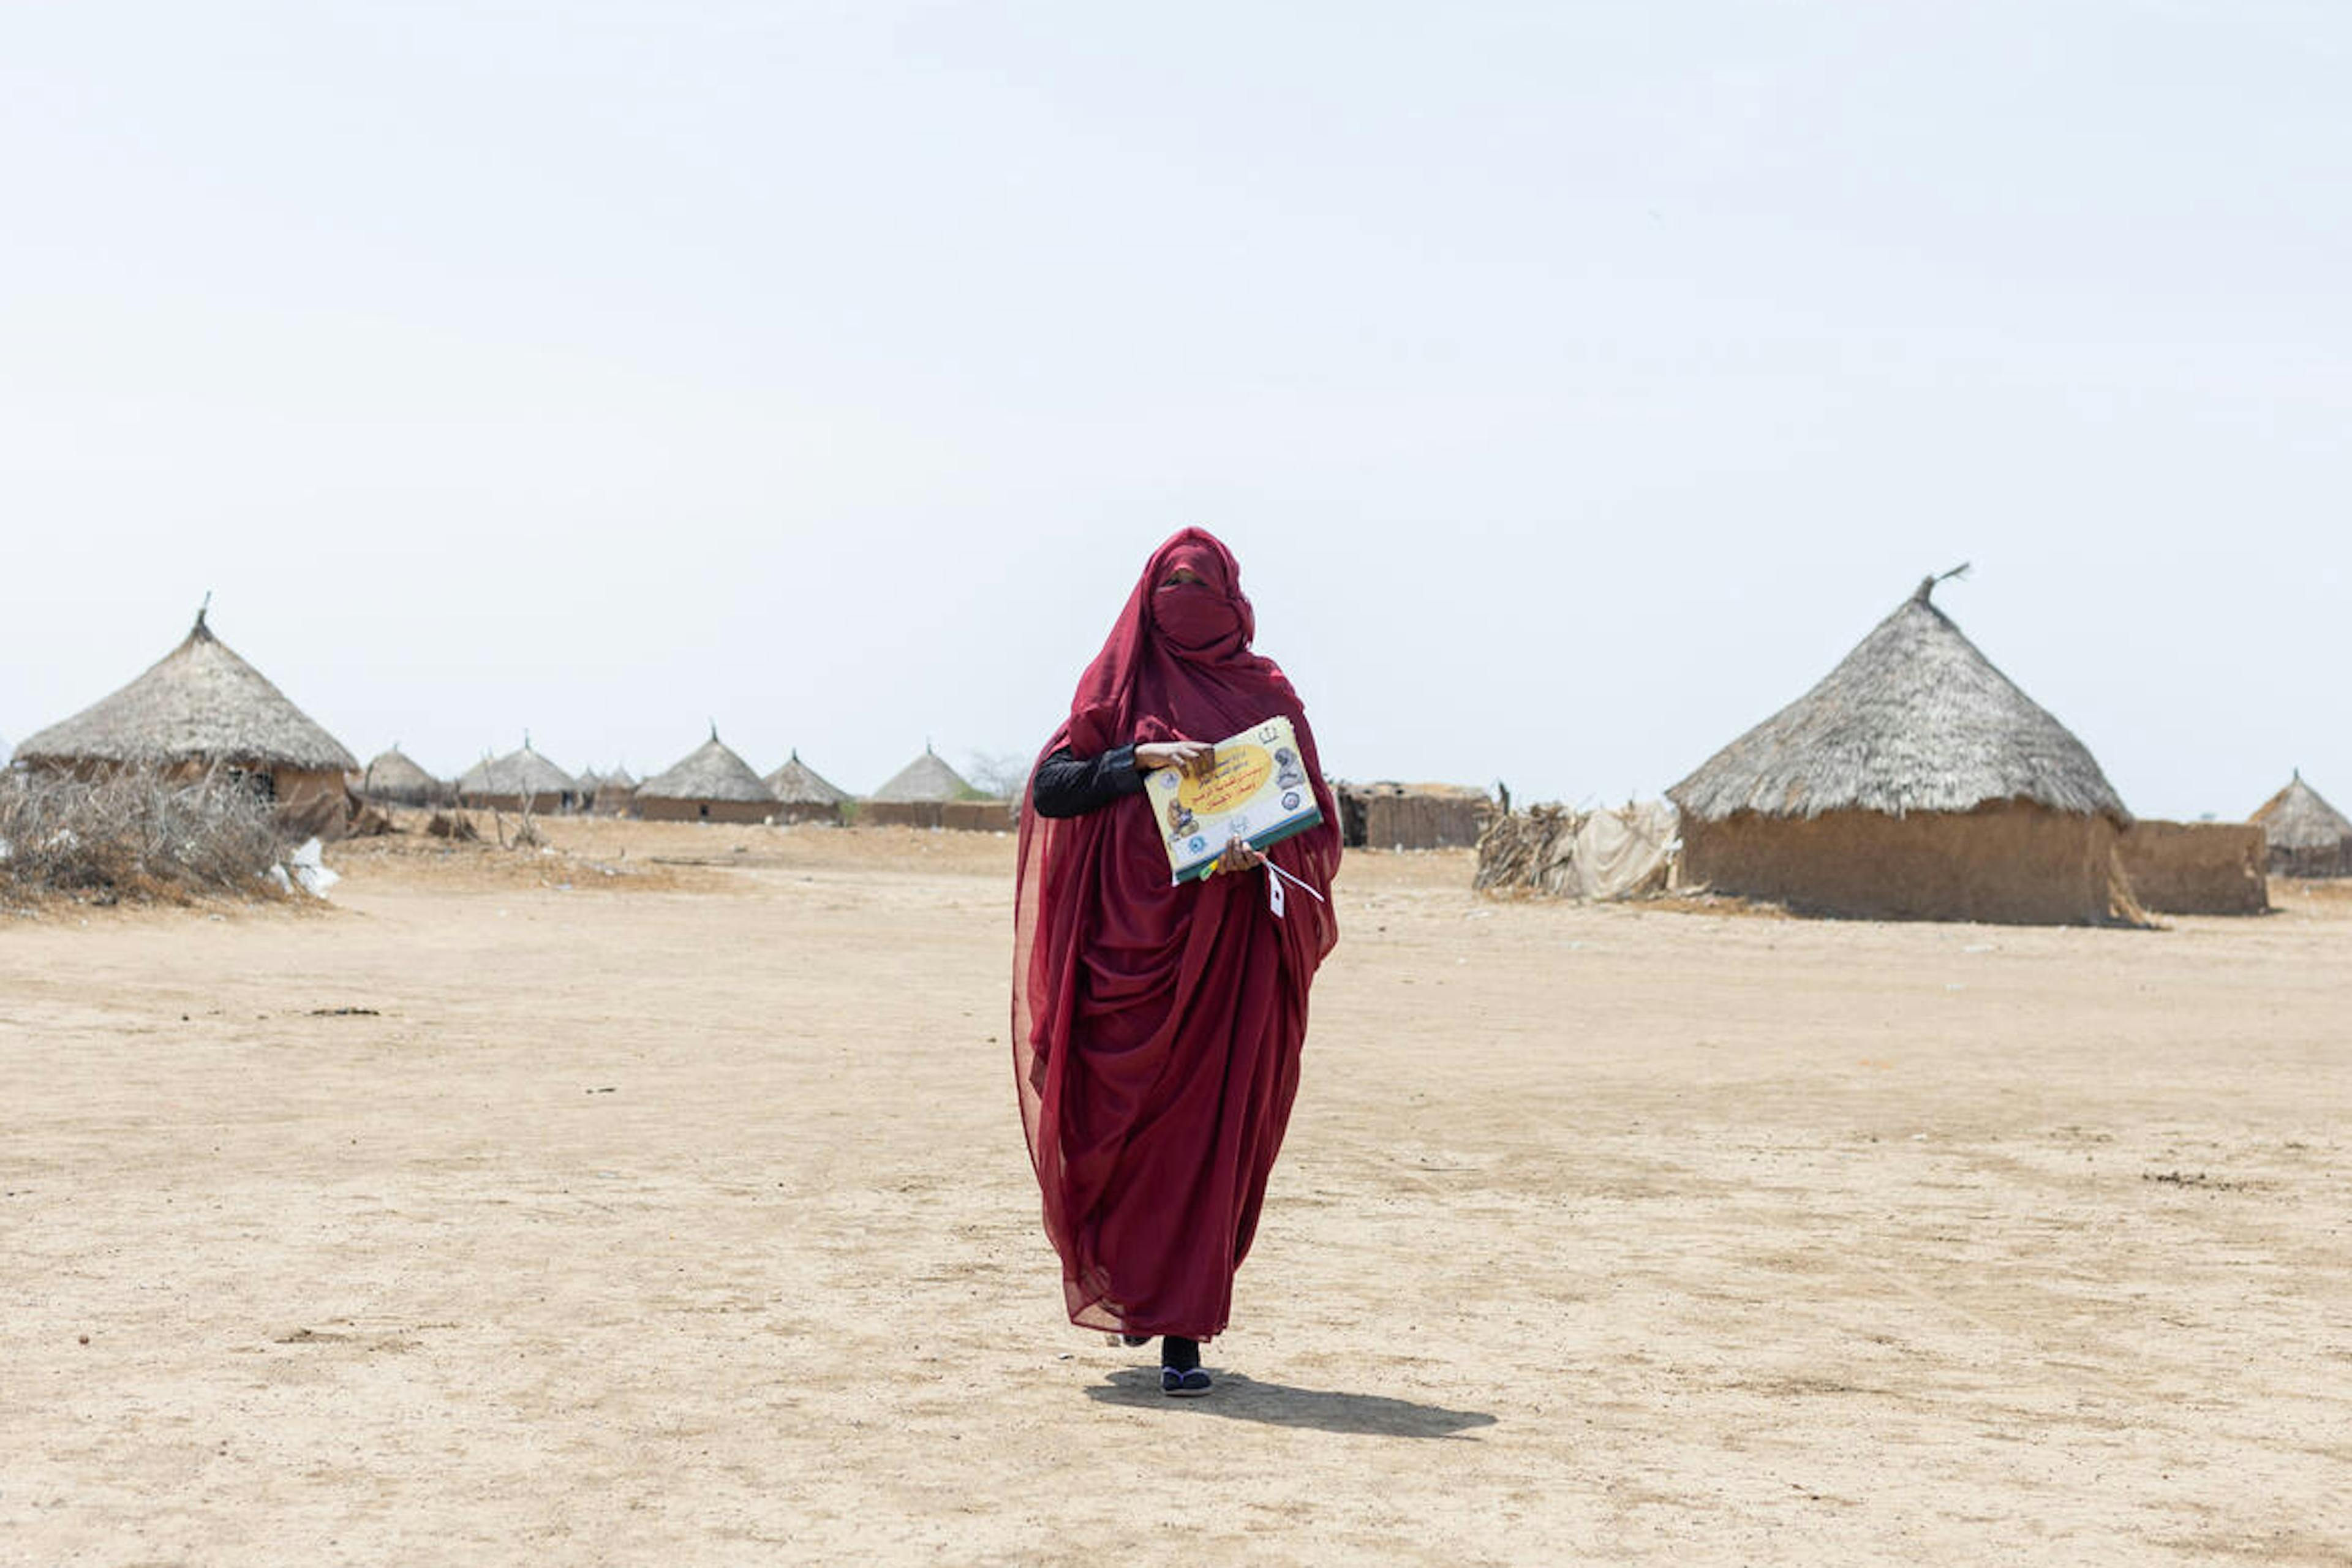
(803, 795)
(393, 778)
(1916, 781)
(927, 793)
(607, 794)
(927, 777)
(520, 780)
(709, 783)
(200, 707)
(2308, 838)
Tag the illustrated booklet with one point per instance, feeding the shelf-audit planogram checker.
(1258, 790)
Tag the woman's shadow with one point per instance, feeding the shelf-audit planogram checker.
(1246, 1399)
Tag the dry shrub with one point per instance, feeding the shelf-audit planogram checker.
(135, 834)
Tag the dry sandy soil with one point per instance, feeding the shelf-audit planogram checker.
(511, 1211)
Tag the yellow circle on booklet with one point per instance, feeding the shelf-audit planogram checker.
(1241, 772)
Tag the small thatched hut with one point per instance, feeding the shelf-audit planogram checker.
(2308, 838)
(522, 780)
(803, 795)
(202, 707)
(1914, 782)
(610, 794)
(709, 783)
(921, 795)
(393, 778)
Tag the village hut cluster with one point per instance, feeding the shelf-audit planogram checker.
(713, 783)
(1914, 781)
(202, 712)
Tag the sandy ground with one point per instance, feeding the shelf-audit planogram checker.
(680, 1216)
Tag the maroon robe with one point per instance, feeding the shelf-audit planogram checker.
(1157, 1027)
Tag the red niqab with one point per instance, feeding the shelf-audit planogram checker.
(1156, 1027)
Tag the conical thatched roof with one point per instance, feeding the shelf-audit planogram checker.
(925, 778)
(1915, 718)
(797, 783)
(709, 772)
(391, 772)
(522, 772)
(2298, 818)
(200, 704)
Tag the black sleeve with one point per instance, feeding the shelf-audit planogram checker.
(1067, 785)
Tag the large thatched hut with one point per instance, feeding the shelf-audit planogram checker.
(393, 778)
(709, 783)
(1914, 782)
(803, 795)
(2308, 838)
(927, 793)
(522, 780)
(201, 707)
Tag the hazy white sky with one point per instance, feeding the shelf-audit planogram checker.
(1576, 382)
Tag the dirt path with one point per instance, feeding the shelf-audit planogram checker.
(680, 1216)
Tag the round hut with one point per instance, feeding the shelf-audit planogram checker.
(709, 783)
(1916, 782)
(201, 707)
(393, 778)
(927, 793)
(522, 780)
(614, 794)
(803, 795)
(2308, 838)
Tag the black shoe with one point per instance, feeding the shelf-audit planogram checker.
(1183, 1384)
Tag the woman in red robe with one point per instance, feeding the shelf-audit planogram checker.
(1157, 1026)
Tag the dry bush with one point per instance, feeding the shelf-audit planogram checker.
(135, 834)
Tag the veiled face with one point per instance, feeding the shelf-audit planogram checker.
(1193, 613)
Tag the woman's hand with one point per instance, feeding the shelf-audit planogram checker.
(1238, 857)
(1194, 757)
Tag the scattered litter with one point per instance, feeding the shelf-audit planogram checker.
(332, 1012)
(305, 869)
